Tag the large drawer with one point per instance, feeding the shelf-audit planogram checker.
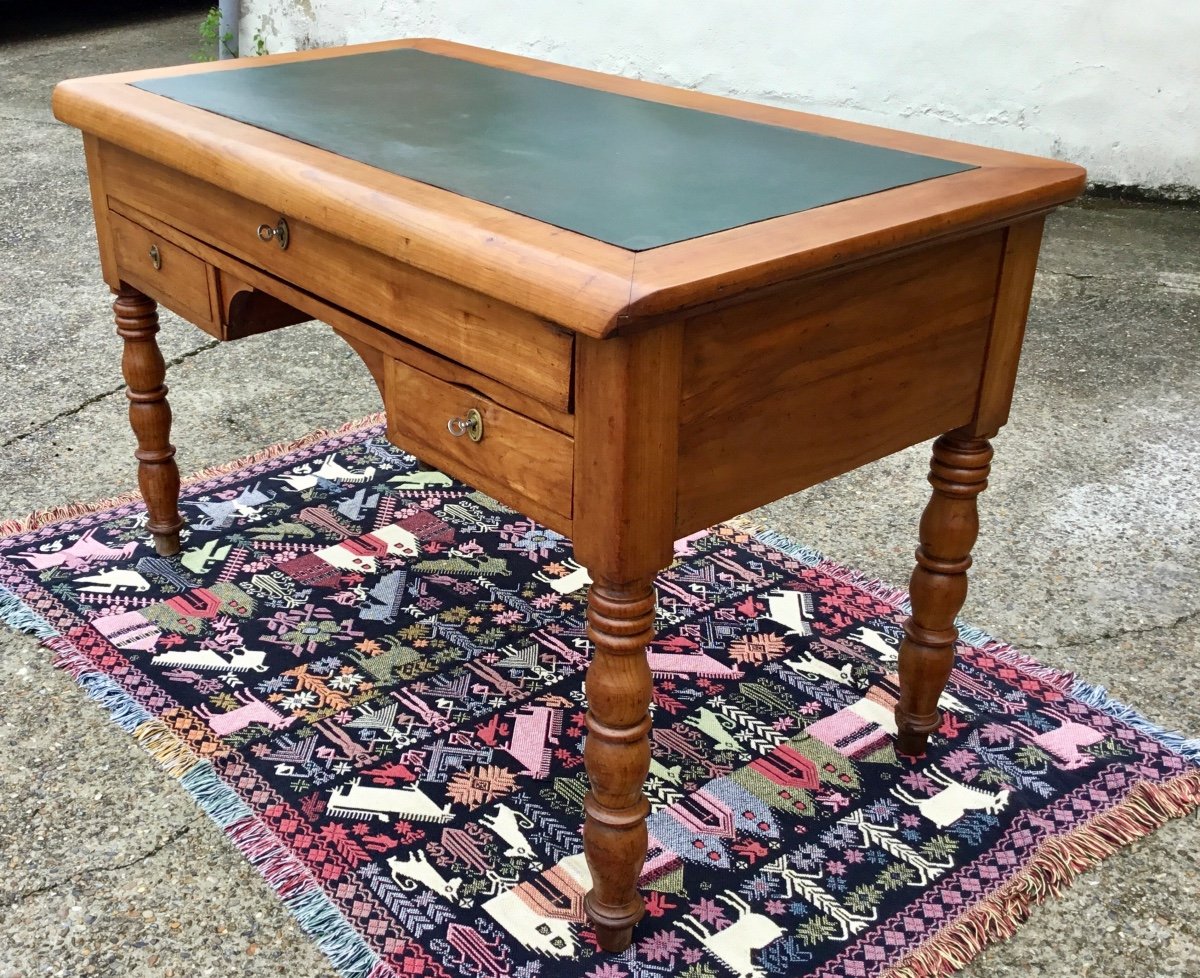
(498, 340)
(165, 272)
(524, 464)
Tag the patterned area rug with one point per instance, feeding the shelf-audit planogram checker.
(371, 677)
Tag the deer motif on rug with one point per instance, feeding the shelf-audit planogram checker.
(1065, 742)
(252, 710)
(953, 800)
(733, 945)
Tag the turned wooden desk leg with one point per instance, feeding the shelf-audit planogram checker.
(617, 756)
(150, 415)
(958, 473)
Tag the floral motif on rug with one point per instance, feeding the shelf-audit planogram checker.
(371, 676)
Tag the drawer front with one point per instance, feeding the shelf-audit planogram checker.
(525, 465)
(164, 271)
(489, 336)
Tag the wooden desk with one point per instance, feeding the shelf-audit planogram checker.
(627, 310)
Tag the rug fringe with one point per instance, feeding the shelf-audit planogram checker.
(170, 752)
(219, 803)
(122, 708)
(291, 880)
(68, 658)
(20, 617)
(773, 538)
(56, 514)
(1090, 694)
(1057, 863)
(349, 953)
(335, 935)
(1097, 697)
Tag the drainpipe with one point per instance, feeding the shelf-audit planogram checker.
(231, 14)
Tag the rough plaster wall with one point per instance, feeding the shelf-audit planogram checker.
(1110, 84)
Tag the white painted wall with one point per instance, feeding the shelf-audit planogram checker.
(1111, 84)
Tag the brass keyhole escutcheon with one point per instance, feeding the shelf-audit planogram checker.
(278, 233)
(156, 258)
(471, 426)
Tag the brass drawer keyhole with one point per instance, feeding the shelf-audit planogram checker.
(156, 258)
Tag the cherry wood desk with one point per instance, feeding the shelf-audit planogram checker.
(628, 311)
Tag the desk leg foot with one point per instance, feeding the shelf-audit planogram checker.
(617, 756)
(958, 473)
(150, 415)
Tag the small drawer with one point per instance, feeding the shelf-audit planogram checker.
(165, 272)
(520, 462)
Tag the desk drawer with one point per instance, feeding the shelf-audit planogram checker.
(498, 340)
(524, 464)
(164, 271)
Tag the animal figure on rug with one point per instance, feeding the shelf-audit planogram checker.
(282, 530)
(811, 665)
(79, 556)
(241, 659)
(167, 569)
(465, 565)
(222, 512)
(415, 869)
(954, 799)
(1065, 741)
(877, 642)
(424, 479)
(791, 609)
(534, 730)
(710, 724)
(303, 477)
(198, 559)
(109, 581)
(680, 657)
(734, 944)
(672, 774)
(387, 597)
(507, 824)
(356, 800)
(356, 506)
(252, 710)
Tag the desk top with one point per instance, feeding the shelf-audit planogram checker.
(635, 173)
(586, 284)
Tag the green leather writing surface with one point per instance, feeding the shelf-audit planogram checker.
(634, 173)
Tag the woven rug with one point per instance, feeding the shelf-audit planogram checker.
(371, 677)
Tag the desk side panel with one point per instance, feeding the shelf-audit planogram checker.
(1022, 243)
(792, 388)
(104, 237)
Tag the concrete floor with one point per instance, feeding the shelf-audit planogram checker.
(1089, 555)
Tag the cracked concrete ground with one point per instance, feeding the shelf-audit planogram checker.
(1089, 555)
